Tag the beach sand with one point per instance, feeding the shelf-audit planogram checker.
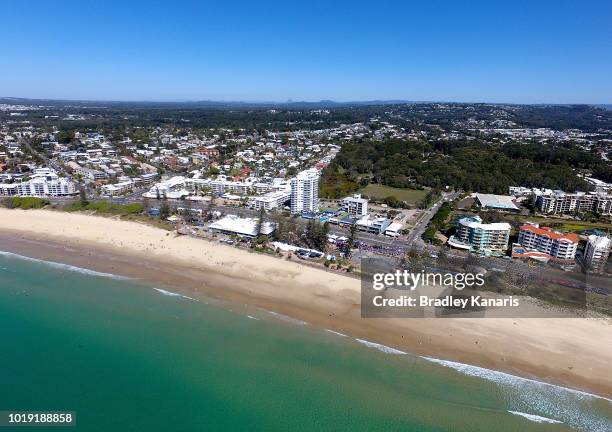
(576, 352)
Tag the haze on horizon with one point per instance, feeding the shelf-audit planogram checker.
(505, 52)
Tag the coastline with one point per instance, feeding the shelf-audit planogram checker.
(574, 353)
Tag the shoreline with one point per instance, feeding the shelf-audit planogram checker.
(573, 353)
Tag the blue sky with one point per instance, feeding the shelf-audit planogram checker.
(491, 51)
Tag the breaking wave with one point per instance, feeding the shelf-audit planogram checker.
(553, 402)
(63, 266)
(380, 347)
(535, 418)
(173, 294)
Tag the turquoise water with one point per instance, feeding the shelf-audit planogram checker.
(128, 357)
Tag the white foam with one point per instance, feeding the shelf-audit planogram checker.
(535, 418)
(336, 333)
(383, 348)
(63, 266)
(572, 407)
(173, 294)
(497, 376)
(287, 318)
(252, 317)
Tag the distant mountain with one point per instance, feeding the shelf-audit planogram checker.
(242, 104)
(198, 104)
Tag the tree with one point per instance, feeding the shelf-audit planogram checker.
(280, 230)
(209, 214)
(189, 214)
(260, 221)
(393, 202)
(443, 256)
(83, 196)
(351, 240)
(164, 209)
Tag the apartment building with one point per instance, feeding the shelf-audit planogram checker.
(355, 205)
(173, 188)
(597, 252)
(376, 225)
(305, 191)
(489, 239)
(559, 202)
(219, 187)
(117, 188)
(44, 183)
(556, 245)
(271, 200)
(87, 173)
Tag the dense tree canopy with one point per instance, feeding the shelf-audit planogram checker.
(471, 165)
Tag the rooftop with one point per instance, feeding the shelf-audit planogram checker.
(476, 222)
(496, 201)
(242, 226)
(548, 232)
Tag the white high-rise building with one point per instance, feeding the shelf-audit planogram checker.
(305, 191)
(597, 252)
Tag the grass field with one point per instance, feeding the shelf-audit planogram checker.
(411, 196)
(581, 226)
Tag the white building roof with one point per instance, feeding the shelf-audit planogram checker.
(241, 226)
(476, 223)
(496, 201)
(394, 227)
(600, 242)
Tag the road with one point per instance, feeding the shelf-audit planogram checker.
(48, 162)
(381, 241)
(414, 237)
(390, 245)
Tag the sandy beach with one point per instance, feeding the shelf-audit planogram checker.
(575, 353)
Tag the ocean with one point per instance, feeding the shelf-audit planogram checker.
(127, 356)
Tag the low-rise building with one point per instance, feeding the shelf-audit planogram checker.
(87, 173)
(377, 225)
(171, 188)
(394, 229)
(244, 227)
(495, 202)
(271, 200)
(117, 188)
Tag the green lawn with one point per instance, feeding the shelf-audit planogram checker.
(411, 196)
(581, 226)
